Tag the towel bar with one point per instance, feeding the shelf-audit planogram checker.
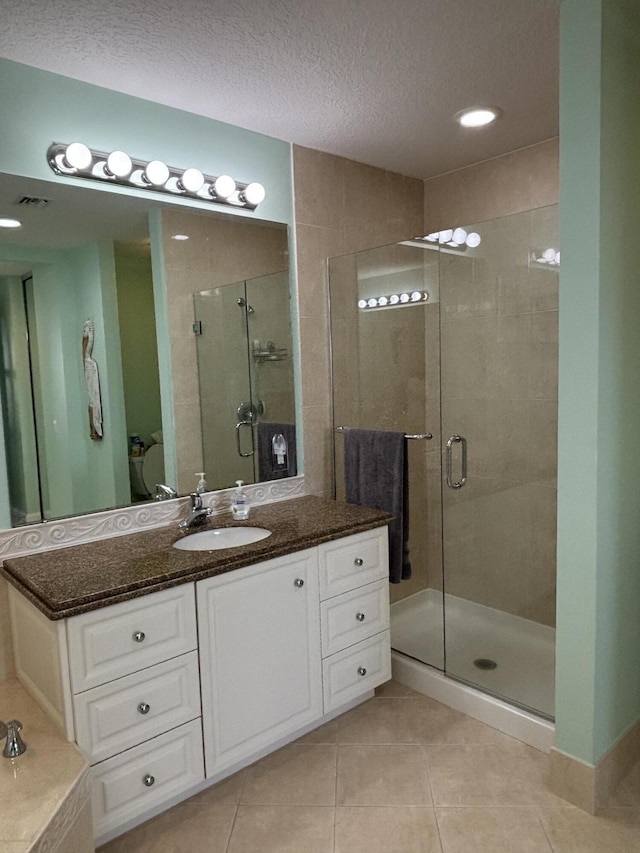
(421, 436)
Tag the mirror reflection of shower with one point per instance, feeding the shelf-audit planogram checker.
(251, 401)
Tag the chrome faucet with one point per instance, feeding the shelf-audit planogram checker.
(198, 514)
(14, 746)
(164, 493)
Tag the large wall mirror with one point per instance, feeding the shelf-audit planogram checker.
(141, 343)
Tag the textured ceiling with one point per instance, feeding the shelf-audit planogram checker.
(377, 81)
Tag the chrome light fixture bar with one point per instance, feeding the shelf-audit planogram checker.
(77, 160)
(394, 300)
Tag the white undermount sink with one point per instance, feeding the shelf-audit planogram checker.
(221, 537)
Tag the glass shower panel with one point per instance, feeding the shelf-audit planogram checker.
(499, 357)
(385, 357)
(224, 383)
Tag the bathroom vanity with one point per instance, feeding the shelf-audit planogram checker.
(172, 669)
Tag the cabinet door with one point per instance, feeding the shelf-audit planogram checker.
(260, 656)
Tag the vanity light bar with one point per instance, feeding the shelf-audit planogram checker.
(395, 300)
(77, 160)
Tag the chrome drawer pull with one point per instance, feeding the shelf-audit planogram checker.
(139, 636)
(144, 708)
(358, 561)
(362, 670)
(360, 617)
(148, 780)
(298, 582)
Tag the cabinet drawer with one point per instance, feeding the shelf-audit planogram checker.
(123, 713)
(354, 616)
(115, 641)
(353, 561)
(358, 669)
(144, 777)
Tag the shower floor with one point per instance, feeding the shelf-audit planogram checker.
(524, 651)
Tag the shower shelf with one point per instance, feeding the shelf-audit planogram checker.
(269, 352)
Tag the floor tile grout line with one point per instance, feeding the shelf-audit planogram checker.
(233, 824)
(552, 846)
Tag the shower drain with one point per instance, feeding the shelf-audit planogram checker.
(485, 663)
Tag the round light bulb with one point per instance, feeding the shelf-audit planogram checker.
(393, 300)
(157, 173)
(383, 301)
(372, 303)
(473, 240)
(404, 297)
(416, 296)
(224, 186)
(6, 222)
(445, 236)
(432, 238)
(119, 164)
(254, 194)
(192, 180)
(477, 116)
(362, 303)
(78, 156)
(549, 255)
(459, 236)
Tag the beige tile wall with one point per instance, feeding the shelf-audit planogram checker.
(340, 207)
(515, 182)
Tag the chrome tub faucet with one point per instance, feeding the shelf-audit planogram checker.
(14, 746)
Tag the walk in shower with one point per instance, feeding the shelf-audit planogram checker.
(454, 335)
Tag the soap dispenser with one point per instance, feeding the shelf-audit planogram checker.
(240, 503)
(201, 488)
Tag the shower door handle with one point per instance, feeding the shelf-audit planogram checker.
(238, 425)
(456, 484)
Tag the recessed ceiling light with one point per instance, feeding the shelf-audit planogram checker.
(179, 236)
(10, 223)
(477, 116)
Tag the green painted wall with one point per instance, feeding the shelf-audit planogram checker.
(598, 640)
(39, 108)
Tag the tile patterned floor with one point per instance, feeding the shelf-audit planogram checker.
(399, 774)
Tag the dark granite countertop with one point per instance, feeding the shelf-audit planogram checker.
(73, 580)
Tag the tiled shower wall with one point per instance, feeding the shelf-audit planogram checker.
(340, 207)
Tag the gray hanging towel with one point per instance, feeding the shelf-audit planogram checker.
(272, 440)
(375, 474)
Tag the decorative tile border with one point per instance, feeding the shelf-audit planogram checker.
(50, 535)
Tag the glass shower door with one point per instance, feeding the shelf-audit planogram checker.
(385, 357)
(499, 339)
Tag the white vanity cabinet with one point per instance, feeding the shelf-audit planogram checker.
(136, 702)
(260, 662)
(123, 682)
(240, 663)
(356, 641)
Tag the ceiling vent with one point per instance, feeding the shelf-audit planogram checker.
(31, 201)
